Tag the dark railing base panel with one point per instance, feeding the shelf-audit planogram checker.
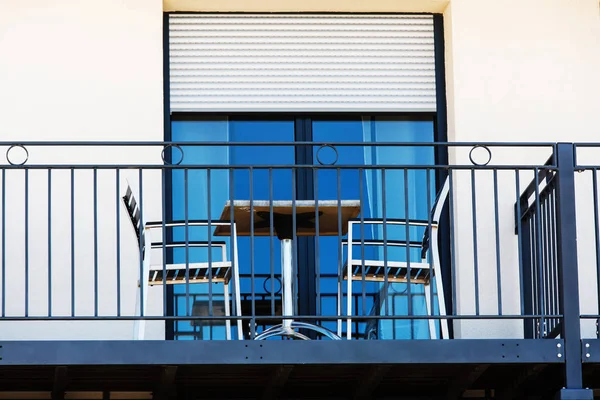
(281, 352)
(590, 350)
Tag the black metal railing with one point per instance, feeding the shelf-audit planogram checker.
(75, 240)
(588, 224)
(536, 227)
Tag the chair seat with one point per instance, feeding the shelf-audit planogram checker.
(396, 272)
(198, 273)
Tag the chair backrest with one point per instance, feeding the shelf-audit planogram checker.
(134, 213)
(436, 213)
(440, 201)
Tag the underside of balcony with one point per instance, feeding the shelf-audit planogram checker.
(274, 369)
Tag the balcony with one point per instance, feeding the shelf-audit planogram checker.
(151, 267)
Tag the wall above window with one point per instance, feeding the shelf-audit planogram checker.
(433, 6)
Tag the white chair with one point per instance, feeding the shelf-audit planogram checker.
(392, 271)
(222, 271)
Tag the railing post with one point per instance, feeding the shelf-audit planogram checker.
(566, 235)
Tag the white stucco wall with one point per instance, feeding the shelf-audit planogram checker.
(92, 70)
(520, 71)
(76, 70)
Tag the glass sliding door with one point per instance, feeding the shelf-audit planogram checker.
(201, 192)
(215, 186)
(397, 193)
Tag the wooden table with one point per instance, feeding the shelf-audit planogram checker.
(286, 214)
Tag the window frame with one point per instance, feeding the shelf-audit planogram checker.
(303, 131)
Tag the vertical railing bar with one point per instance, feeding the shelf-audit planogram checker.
(143, 239)
(519, 240)
(233, 240)
(548, 244)
(475, 245)
(96, 294)
(385, 254)
(553, 270)
(544, 250)
(118, 244)
(340, 250)
(4, 243)
(209, 238)
(538, 246)
(556, 255)
(165, 236)
(272, 244)
(597, 237)
(394, 334)
(534, 271)
(26, 244)
(295, 275)
(315, 174)
(566, 223)
(209, 245)
(553, 260)
(497, 225)
(429, 222)
(187, 244)
(362, 242)
(452, 239)
(408, 268)
(550, 225)
(252, 288)
(49, 242)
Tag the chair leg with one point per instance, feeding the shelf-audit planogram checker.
(138, 330)
(236, 285)
(442, 304)
(339, 306)
(349, 304)
(437, 273)
(227, 311)
(139, 326)
(428, 309)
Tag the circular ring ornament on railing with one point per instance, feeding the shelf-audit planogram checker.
(334, 151)
(20, 146)
(175, 146)
(274, 286)
(489, 153)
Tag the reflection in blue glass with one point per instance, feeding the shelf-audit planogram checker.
(399, 193)
(223, 185)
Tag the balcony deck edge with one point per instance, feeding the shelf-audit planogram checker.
(465, 351)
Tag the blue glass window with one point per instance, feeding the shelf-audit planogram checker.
(394, 191)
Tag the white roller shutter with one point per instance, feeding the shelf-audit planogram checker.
(227, 62)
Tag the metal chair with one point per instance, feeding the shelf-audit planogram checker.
(198, 272)
(392, 271)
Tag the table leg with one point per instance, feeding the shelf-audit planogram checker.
(287, 294)
(287, 297)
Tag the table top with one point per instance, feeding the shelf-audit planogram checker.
(306, 213)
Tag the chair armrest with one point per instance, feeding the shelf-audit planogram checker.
(371, 242)
(172, 245)
(191, 222)
(393, 221)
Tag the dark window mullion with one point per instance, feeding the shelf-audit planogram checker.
(305, 245)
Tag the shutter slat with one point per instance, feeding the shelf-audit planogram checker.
(301, 63)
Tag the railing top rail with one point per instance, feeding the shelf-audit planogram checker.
(265, 143)
(278, 166)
